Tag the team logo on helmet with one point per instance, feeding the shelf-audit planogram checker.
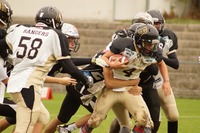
(142, 31)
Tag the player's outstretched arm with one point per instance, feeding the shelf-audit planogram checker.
(61, 80)
(166, 83)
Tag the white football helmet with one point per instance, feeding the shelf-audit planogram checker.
(143, 17)
(71, 33)
(70, 30)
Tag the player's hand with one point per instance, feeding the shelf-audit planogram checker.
(166, 88)
(135, 90)
(67, 81)
(117, 64)
(135, 82)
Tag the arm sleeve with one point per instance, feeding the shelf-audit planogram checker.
(172, 61)
(70, 68)
(55, 70)
(3, 48)
(81, 61)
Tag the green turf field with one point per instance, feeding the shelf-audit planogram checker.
(189, 110)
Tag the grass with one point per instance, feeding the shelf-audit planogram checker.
(189, 120)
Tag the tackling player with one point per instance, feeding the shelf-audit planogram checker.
(72, 100)
(170, 46)
(142, 53)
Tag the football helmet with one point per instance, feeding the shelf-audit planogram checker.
(133, 28)
(71, 33)
(143, 17)
(158, 18)
(146, 39)
(50, 16)
(5, 13)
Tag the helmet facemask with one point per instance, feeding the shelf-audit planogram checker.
(146, 39)
(148, 47)
(72, 35)
(75, 46)
(157, 18)
(5, 14)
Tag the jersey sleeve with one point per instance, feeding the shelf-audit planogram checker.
(3, 74)
(119, 45)
(171, 40)
(61, 48)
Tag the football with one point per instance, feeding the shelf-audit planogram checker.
(121, 58)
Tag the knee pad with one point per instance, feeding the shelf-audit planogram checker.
(141, 118)
(44, 117)
(95, 121)
(172, 113)
(173, 116)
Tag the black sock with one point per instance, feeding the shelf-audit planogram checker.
(173, 127)
(124, 130)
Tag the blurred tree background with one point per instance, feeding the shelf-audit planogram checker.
(191, 10)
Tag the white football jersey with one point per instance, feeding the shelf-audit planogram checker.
(137, 63)
(35, 51)
(167, 48)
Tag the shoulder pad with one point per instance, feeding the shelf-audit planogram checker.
(12, 27)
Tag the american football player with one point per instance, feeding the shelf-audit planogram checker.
(142, 52)
(72, 100)
(149, 93)
(31, 64)
(170, 46)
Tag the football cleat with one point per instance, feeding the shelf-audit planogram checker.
(63, 129)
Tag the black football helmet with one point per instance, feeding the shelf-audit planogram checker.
(133, 28)
(51, 16)
(146, 39)
(5, 13)
(157, 18)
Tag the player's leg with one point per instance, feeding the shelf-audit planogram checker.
(9, 113)
(38, 127)
(67, 110)
(150, 96)
(104, 102)
(123, 118)
(64, 128)
(8, 110)
(170, 109)
(114, 127)
(136, 105)
(80, 122)
(5, 122)
(29, 106)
